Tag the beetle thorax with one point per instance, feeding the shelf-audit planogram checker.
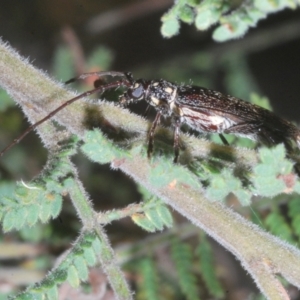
(162, 95)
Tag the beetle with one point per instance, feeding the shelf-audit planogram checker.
(209, 111)
(204, 110)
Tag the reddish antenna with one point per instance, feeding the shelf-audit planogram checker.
(123, 82)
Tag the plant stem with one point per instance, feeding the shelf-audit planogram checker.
(260, 253)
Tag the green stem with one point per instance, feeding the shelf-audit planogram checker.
(260, 253)
(106, 255)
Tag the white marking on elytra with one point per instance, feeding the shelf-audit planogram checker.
(223, 123)
(203, 122)
(155, 84)
(216, 120)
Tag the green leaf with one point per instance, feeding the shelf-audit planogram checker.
(47, 282)
(170, 27)
(73, 277)
(142, 221)
(186, 14)
(90, 256)
(8, 202)
(268, 186)
(81, 267)
(273, 155)
(9, 220)
(60, 275)
(32, 214)
(52, 293)
(254, 15)
(56, 206)
(269, 6)
(45, 211)
(155, 218)
(244, 196)
(230, 30)
(265, 180)
(90, 236)
(192, 3)
(97, 245)
(98, 148)
(29, 296)
(20, 217)
(206, 18)
(208, 13)
(165, 215)
(166, 173)
(223, 184)
(78, 249)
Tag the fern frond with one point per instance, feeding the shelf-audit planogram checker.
(294, 214)
(73, 268)
(276, 223)
(148, 285)
(40, 199)
(207, 267)
(183, 260)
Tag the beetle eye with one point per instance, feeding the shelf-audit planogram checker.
(137, 92)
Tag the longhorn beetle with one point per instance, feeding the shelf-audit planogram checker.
(202, 109)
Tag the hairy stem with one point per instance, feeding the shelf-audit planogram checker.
(261, 254)
(38, 95)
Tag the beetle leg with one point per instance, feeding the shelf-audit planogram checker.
(222, 137)
(151, 134)
(176, 139)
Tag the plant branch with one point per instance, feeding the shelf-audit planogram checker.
(31, 89)
(249, 243)
(255, 248)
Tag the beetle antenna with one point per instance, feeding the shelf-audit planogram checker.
(102, 88)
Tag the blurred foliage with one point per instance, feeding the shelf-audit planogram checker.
(148, 286)
(234, 19)
(63, 62)
(208, 270)
(5, 102)
(183, 261)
